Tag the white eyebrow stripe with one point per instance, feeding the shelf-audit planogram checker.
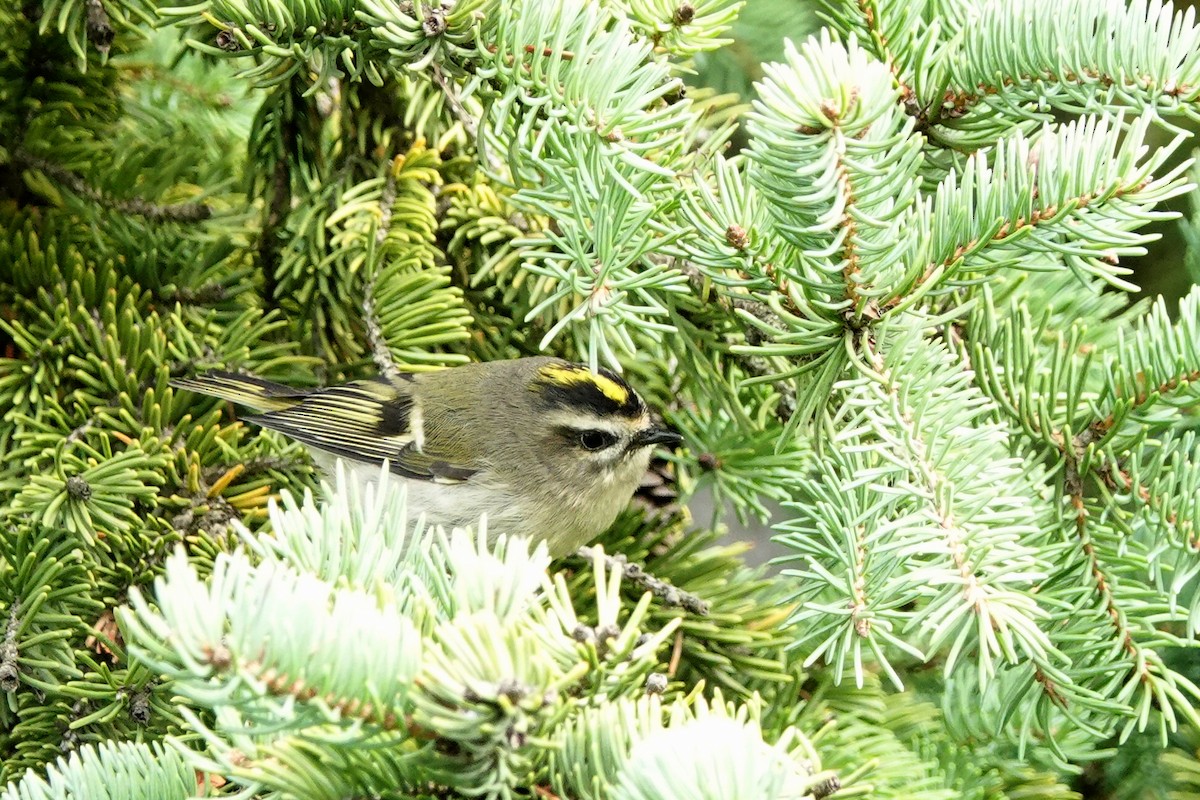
(585, 422)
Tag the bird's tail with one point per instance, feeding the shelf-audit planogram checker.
(245, 390)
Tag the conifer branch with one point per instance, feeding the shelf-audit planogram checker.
(1020, 227)
(380, 353)
(869, 11)
(939, 492)
(275, 211)
(1117, 478)
(670, 595)
(9, 670)
(755, 366)
(1101, 583)
(177, 212)
(931, 482)
(900, 311)
(1096, 72)
(847, 229)
(452, 100)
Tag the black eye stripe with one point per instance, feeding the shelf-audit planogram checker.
(590, 439)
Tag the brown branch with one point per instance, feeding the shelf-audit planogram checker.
(10, 672)
(754, 365)
(1142, 397)
(1085, 76)
(953, 104)
(381, 354)
(1118, 479)
(860, 604)
(281, 685)
(1073, 482)
(469, 124)
(826, 787)
(922, 469)
(1049, 688)
(957, 102)
(1100, 428)
(1007, 230)
(565, 55)
(205, 295)
(387, 202)
(159, 75)
(254, 466)
(177, 212)
(670, 595)
(207, 509)
(846, 188)
(907, 96)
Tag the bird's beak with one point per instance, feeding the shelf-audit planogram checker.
(652, 436)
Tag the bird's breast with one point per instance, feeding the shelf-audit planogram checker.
(563, 516)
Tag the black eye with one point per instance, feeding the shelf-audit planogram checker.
(596, 440)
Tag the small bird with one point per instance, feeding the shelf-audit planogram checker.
(544, 447)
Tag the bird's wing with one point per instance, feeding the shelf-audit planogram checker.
(369, 421)
(246, 390)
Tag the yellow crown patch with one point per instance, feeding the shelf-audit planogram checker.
(567, 375)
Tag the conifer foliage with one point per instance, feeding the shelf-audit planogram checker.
(887, 292)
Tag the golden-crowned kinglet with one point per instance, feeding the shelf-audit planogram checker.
(543, 447)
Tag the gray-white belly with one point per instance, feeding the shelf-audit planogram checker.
(451, 505)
